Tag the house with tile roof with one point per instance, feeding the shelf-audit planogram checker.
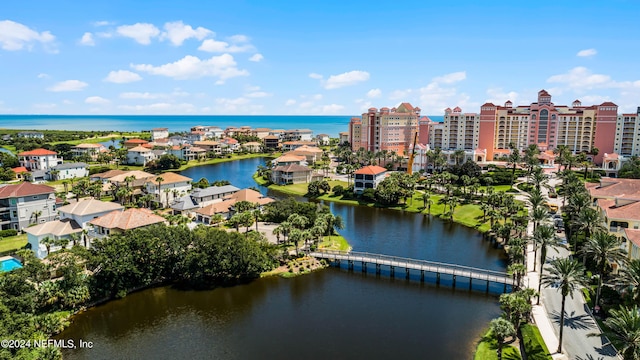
(131, 143)
(117, 222)
(288, 159)
(252, 146)
(87, 209)
(633, 243)
(205, 214)
(249, 195)
(159, 133)
(271, 142)
(54, 230)
(170, 187)
(200, 198)
(291, 174)
(39, 159)
(25, 204)
(90, 150)
(140, 155)
(20, 172)
(368, 177)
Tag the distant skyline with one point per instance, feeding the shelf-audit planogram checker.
(312, 58)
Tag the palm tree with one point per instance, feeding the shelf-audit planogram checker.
(166, 196)
(629, 278)
(544, 237)
(605, 249)
(501, 329)
(36, 214)
(623, 329)
(159, 179)
(589, 221)
(47, 242)
(568, 275)
(458, 156)
(514, 159)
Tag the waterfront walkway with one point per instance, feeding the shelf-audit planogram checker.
(438, 268)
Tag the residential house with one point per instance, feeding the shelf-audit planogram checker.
(139, 155)
(137, 181)
(291, 174)
(31, 135)
(187, 152)
(368, 177)
(159, 133)
(249, 195)
(161, 143)
(184, 205)
(205, 215)
(209, 146)
(271, 142)
(132, 143)
(252, 146)
(194, 136)
(54, 230)
(24, 204)
(85, 210)
(260, 132)
(288, 159)
(323, 139)
(211, 132)
(117, 222)
(90, 150)
(212, 194)
(20, 172)
(172, 186)
(105, 176)
(39, 159)
(633, 243)
(230, 145)
(298, 135)
(65, 171)
(293, 145)
(311, 153)
(344, 137)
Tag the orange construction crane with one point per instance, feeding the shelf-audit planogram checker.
(412, 155)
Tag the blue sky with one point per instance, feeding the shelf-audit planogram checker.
(313, 57)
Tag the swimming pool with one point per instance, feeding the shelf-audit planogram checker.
(9, 264)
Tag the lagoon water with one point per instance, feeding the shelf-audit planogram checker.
(332, 313)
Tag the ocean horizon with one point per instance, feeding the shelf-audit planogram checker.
(319, 124)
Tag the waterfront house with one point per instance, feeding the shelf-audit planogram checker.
(260, 133)
(187, 152)
(252, 146)
(293, 145)
(249, 195)
(291, 174)
(297, 135)
(39, 159)
(230, 145)
(171, 187)
(90, 150)
(368, 177)
(132, 143)
(323, 139)
(31, 135)
(65, 171)
(117, 222)
(212, 194)
(271, 142)
(210, 146)
(288, 159)
(159, 133)
(24, 204)
(54, 230)
(139, 155)
(85, 210)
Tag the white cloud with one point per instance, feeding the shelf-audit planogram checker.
(104, 34)
(256, 57)
(315, 76)
(346, 79)
(587, 52)
(191, 67)
(332, 109)
(67, 102)
(400, 94)
(68, 85)
(581, 78)
(451, 78)
(45, 106)
(177, 32)
(290, 102)
(239, 38)
(498, 96)
(258, 94)
(211, 45)
(87, 39)
(102, 23)
(374, 93)
(96, 100)
(142, 33)
(239, 105)
(151, 96)
(122, 77)
(43, 76)
(162, 107)
(15, 36)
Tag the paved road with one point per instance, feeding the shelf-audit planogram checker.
(576, 343)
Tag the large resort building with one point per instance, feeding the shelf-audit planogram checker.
(581, 128)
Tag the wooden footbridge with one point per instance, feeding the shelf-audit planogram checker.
(438, 268)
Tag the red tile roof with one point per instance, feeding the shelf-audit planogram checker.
(38, 152)
(24, 189)
(371, 170)
(633, 235)
(128, 219)
(20, 169)
(135, 141)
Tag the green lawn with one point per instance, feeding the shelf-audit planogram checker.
(13, 243)
(487, 350)
(534, 346)
(258, 179)
(301, 189)
(233, 157)
(96, 140)
(334, 242)
(496, 188)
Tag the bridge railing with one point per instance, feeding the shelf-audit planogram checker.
(457, 269)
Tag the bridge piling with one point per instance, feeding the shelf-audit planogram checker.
(350, 265)
(364, 267)
(470, 285)
(454, 281)
(421, 275)
(407, 273)
(438, 278)
(392, 270)
(377, 269)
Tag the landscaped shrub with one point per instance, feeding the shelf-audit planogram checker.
(338, 190)
(8, 232)
(369, 195)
